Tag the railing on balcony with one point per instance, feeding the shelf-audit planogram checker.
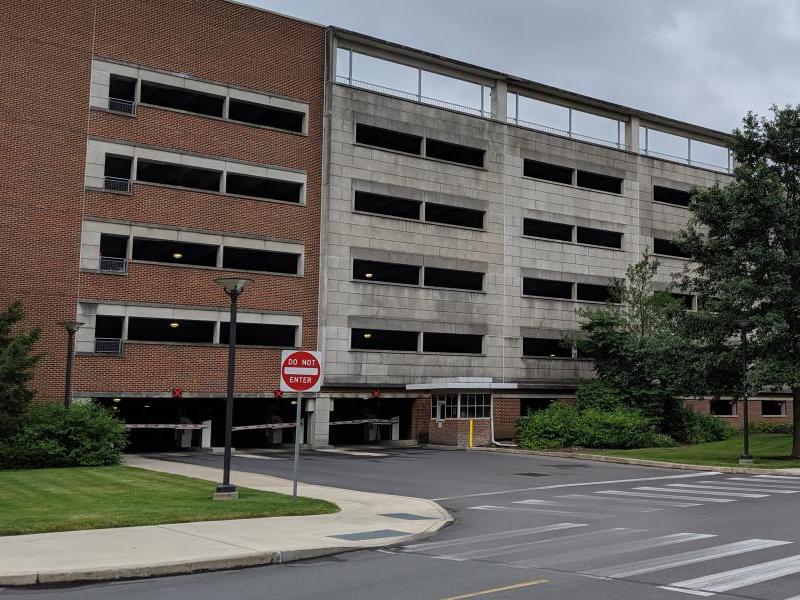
(109, 346)
(122, 106)
(117, 184)
(113, 264)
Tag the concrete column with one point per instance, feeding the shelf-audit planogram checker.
(500, 100)
(319, 422)
(632, 134)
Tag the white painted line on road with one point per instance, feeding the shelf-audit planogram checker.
(602, 550)
(704, 490)
(514, 548)
(564, 513)
(635, 501)
(782, 477)
(693, 593)
(585, 483)
(505, 588)
(673, 496)
(704, 493)
(786, 485)
(593, 500)
(494, 536)
(663, 563)
(742, 577)
(736, 488)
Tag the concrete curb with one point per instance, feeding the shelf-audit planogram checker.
(640, 462)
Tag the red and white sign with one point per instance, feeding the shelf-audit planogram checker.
(301, 371)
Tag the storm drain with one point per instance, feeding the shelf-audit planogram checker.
(407, 517)
(370, 535)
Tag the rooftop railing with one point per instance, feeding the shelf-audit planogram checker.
(618, 143)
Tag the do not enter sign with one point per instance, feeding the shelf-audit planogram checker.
(301, 371)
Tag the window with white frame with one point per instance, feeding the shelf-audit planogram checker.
(461, 406)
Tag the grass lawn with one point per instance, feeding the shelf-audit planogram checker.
(770, 451)
(39, 500)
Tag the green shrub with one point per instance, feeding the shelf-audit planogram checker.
(693, 427)
(561, 426)
(598, 394)
(771, 427)
(85, 435)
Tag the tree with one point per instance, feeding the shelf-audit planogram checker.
(16, 367)
(745, 240)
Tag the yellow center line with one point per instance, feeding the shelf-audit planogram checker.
(505, 588)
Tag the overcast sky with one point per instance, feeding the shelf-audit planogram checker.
(703, 61)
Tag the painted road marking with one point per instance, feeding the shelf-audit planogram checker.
(550, 511)
(781, 477)
(612, 549)
(487, 537)
(505, 588)
(673, 496)
(633, 501)
(742, 577)
(582, 506)
(568, 485)
(736, 488)
(704, 490)
(704, 493)
(514, 548)
(685, 558)
(785, 485)
(693, 593)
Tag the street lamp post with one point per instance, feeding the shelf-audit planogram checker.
(71, 326)
(746, 457)
(233, 287)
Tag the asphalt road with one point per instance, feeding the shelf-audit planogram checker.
(526, 527)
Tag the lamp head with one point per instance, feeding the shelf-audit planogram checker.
(233, 285)
(72, 326)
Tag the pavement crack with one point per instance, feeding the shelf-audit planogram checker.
(208, 538)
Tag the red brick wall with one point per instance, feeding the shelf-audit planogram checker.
(754, 408)
(506, 413)
(455, 432)
(45, 118)
(420, 418)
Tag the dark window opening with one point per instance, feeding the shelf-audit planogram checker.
(582, 352)
(722, 408)
(258, 114)
(386, 138)
(108, 327)
(387, 205)
(118, 167)
(547, 288)
(181, 253)
(603, 183)
(453, 215)
(261, 187)
(453, 278)
(260, 260)
(773, 408)
(532, 405)
(383, 339)
(122, 88)
(113, 246)
(260, 334)
(671, 196)
(170, 330)
(599, 237)
(456, 153)
(458, 343)
(170, 174)
(368, 270)
(547, 229)
(540, 170)
(669, 248)
(181, 99)
(545, 347)
(686, 299)
(593, 293)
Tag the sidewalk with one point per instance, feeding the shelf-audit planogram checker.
(366, 520)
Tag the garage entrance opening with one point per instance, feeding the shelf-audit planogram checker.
(359, 409)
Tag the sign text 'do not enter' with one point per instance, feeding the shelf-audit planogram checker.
(301, 371)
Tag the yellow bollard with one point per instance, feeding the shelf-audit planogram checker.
(470, 432)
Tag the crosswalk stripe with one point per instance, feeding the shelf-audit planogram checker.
(488, 537)
(549, 511)
(537, 502)
(742, 488)
(513, 548)
(611, 549)
(704, 490)
(705, 493)
(673, 496)
(787, 485)
(742, 577)
(634, 501)
(782, 477)
(663, 563)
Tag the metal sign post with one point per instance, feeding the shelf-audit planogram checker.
(301, 371)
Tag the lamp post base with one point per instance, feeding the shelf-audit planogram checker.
(226, 492)
(745, 459)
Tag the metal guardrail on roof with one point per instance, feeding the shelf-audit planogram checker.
(570, 134)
